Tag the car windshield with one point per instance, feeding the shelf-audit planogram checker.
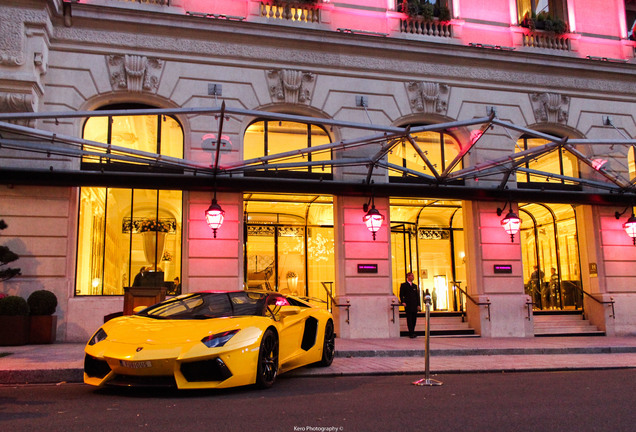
(208, 305)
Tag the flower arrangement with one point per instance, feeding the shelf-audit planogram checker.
(154, 225)
(291, 274)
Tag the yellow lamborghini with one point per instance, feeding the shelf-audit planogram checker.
(211, 340)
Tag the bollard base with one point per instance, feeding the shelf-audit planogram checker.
(427, 382)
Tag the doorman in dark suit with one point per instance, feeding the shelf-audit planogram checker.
(410, 299)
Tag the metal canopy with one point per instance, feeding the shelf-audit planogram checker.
(486, 180)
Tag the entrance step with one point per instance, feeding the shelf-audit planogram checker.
(443, 324)
(558, 324)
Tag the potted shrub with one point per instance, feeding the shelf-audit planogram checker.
(14, 321)
(43, 324)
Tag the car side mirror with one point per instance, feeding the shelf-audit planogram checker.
(289, 310)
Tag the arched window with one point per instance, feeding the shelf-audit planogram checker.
(558, 161)
(120, 230)
(631, 162)
(269, 137)
(440, 150)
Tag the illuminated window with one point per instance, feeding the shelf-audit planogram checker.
(559, 162)
(289, 244)
(267, 138)
(630, 18)
(549, 246)
(427, 239)
(122, 230)
(440, 149)
(631, 162)
(541, 8)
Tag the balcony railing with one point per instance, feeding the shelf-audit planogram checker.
(546, 40)
(292, 12)
(421, 26)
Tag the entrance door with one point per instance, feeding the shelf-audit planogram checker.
(427, 239)
(550, 251)
(289, 244)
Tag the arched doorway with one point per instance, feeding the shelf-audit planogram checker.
(550, 251)
(427, 239)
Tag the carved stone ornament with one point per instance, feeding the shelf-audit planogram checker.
(134, 73)
(550, 107)
(291, 86)
(428, 97)
(16, 102)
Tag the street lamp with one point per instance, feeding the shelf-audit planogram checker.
(214, 215)
(629, 226)
(373, 219)
(510, 222)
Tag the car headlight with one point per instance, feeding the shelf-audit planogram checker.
(219, 339)
(98, 337)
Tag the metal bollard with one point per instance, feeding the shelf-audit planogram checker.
(427, 381)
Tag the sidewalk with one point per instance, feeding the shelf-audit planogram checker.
(63, 362)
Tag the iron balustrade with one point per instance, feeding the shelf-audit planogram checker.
(601, 302)
(333, 300)
(475, 302)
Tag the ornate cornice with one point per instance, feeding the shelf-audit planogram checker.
(291, 86)
(134, 73)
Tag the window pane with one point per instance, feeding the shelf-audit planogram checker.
(171, 137)
(117, 242)
(560, 162)
(284, 136)
(90, 250)
(440, 154)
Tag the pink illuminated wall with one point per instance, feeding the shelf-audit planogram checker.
(599, 17)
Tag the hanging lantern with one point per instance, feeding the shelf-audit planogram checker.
(214, 216)
(511, 224)
(373, 219)
(630, 228)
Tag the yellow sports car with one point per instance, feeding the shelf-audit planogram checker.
(211, 340)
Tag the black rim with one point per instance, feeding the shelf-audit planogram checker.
(269, 358)
(330, 341)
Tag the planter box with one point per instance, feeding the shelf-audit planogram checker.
(14, 330)
(43, 329)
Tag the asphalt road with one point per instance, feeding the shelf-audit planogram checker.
(598, 400)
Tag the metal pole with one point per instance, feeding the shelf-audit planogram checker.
(427, 381)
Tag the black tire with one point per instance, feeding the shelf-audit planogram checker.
(328, 346)
(267, 367)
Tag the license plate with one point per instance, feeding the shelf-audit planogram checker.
(135, 364)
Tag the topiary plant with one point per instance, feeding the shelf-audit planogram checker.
(42, 302)
(7, 256)
(13, 306)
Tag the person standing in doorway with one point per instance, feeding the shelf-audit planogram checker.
(410, 299)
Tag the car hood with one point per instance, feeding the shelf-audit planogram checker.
(142, 330)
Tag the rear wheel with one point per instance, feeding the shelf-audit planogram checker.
(328, 345)
(267, 368)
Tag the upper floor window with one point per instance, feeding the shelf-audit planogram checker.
(559, 162)
(543, 13)
(630, 18)
(631, 162)
(439, 148)
(149, 133)
(269, 137)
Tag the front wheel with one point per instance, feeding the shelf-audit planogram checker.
(328, 346)
(267, 367)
